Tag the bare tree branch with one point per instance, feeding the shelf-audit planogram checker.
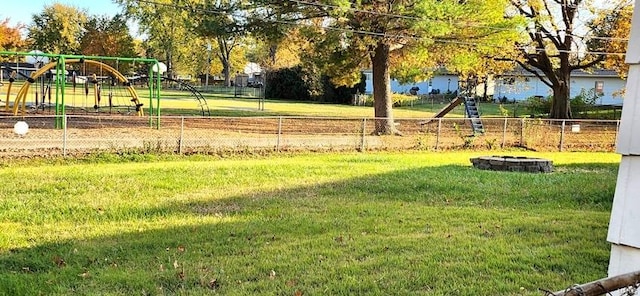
(534, 72)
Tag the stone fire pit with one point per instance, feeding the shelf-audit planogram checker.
(513, 164)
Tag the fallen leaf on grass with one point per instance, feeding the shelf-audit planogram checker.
(175, 264)
(214, 284)
(181, 248)
(298, 293)
(272, 274)
(59, 261)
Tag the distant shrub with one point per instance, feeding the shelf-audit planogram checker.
(538, 105)
(397, 99)
(299, 84)
(403, 100)
(287, 84)
(584, 100)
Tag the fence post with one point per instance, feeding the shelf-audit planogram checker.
(181, 139)
(64, 136)
(522, 132)
(279, 133)
(362, 135)
(504, 133)
(562, 135)
(438, 133)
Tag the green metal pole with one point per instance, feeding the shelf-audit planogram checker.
(151, 82)
(158, 96)
(57, 119)
(63, 81)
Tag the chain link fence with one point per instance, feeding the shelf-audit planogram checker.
(86, 134)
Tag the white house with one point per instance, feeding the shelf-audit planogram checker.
(520, 85)
(439, 83)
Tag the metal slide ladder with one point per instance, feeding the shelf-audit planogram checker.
(471, 108)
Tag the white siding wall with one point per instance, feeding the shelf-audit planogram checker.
(440, 82)
(520, 88)
(523, 88)
(517, 89)
(612, 88)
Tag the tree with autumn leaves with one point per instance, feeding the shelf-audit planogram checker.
(555, 46)
(66, 29)
(403, 37)
(10, 37)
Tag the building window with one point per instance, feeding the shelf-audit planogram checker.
(599, 88)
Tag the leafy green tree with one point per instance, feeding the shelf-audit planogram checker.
(555, 46)
(58, 29)
(105, 36)
(394, 37)
(203, 61)
(278, 54)
(222, 22)
(166, 27)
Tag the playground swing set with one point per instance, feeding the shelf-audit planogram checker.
(54, 75)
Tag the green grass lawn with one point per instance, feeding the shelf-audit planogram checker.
(182, 103)
(179, 103)
(316, 224)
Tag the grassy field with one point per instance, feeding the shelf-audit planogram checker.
(175, 102)
(228, 106)
(178, 102)
(317, 224)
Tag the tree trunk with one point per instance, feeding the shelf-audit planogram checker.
(485, 89)
(226, 71)
(169, 73)
(273, 50)
(225, 58)
(382, 101)
(560, 105)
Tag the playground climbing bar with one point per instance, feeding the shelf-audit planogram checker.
(59, 61)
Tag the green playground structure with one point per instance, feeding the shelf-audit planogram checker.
(59, 64)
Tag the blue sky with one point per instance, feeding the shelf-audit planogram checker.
(21, 11)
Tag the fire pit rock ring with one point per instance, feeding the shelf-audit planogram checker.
(513, 164)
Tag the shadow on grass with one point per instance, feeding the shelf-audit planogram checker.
(430, 230)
